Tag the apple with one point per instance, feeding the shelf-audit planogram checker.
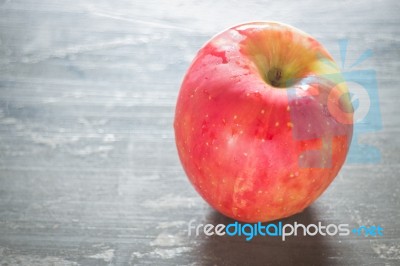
(263, 121)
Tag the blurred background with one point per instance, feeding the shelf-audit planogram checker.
(89, 173)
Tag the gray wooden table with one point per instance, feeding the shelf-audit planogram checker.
(89, 173)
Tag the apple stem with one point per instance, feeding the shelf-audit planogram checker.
(274, 76)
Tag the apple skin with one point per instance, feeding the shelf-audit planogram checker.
(263, 121)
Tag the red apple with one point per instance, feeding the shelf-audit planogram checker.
(263, 121)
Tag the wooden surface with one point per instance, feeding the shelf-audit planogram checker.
(89, 173)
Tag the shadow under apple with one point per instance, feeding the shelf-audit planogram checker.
(263, 250)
